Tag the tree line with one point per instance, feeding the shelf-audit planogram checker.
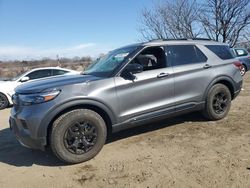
(219, 20)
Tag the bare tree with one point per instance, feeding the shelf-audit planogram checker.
(220, 20)
(171, 19)
(225, 20)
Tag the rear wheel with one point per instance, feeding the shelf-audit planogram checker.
(218, 102)
(243, 70)
(3, 101)
(78, 136)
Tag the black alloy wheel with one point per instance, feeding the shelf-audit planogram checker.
(80, 137)
(220, 102)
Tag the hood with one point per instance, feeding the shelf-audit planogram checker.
(50, 83)
(4, 82)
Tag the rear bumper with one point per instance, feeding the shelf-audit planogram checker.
(23, 135)
(238, 87)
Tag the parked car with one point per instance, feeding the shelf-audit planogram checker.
(8, 86)
(129, 86)
(244, 57)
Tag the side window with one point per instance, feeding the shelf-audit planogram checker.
(184, 55)
(40, 74)
(222, 51)
(200, 56)
(58, 72)
(151, 58)
(241, 52)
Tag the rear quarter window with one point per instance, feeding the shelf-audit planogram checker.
(57, 72)
(241, 52)
(222, 51)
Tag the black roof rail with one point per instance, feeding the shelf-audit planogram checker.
(169, 39)
(202, 39)
(173, 39)
(156, 40)
(176, 39)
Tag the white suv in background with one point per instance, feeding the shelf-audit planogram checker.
(7, 87)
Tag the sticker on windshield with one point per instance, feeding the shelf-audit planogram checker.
(122, 55)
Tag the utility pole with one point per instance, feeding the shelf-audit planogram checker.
(58, 61)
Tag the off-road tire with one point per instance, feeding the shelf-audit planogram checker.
(210, 112)
(62, 124)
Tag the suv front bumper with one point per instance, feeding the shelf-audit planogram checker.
(23, 135)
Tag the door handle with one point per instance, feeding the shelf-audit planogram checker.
(163, 74)
(207, 66)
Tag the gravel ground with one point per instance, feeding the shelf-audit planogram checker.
(185, 151)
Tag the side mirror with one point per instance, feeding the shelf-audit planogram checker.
(130, 70)
(25, 79)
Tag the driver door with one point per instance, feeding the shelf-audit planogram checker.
(151, 93)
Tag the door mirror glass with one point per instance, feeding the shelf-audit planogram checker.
(25, 79)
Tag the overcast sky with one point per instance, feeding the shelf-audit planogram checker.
(31, 29)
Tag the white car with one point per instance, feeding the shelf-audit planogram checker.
(7, 87)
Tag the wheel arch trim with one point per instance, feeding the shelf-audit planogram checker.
(224, 80)
(70, 105)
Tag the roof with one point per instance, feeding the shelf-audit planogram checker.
(203, 41)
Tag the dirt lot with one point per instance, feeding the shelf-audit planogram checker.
(185, 151)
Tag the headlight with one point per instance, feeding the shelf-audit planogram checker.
(29, 99)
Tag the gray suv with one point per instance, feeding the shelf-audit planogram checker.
(127, 87)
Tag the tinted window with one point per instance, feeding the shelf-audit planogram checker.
(184, 54)
(241, 52)
(39, 74)
(222, 51)
(59, 72)
(200, 56)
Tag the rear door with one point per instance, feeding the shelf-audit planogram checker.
(192, 74)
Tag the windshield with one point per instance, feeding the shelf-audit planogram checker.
(110, 62)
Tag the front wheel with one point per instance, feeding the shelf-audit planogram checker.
(218, 102)
(3, 101)
(78, 136)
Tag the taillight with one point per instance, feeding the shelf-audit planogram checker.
(238, 64)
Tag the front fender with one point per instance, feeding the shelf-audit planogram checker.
(52, 113)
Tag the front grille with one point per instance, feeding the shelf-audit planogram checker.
(24, 124)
